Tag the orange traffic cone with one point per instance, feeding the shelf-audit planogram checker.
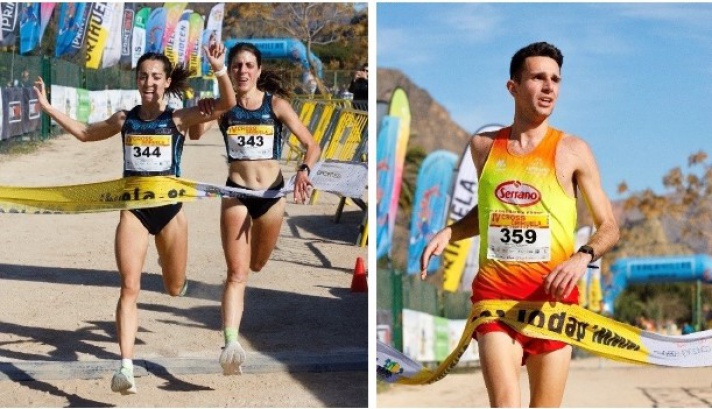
(358, 282)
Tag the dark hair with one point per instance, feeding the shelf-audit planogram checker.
(541, 49)
(178, 75)
(269, 80)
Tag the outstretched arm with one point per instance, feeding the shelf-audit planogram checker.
(85, 133)
(284, 112)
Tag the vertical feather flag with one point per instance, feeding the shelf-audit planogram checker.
(100, 23)
(138, 42)
(385, 167)
(195, 45)
(173, 14)
(154, 30)
(10, 26)
(432, 197)
(213, 31)
(127, 25)
(71, 28)
(112, 50)
(29, 26)
(177, 45)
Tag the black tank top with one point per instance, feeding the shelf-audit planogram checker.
(151, 148)
(252, 135)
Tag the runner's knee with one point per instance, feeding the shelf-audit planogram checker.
(237, 275)
(130, 291)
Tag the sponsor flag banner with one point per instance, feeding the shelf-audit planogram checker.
(112, 51)
(464, 199)
(432, 196)
(9, 18)
(46, 10)
(385, 168)
(30, 110)
(155, 26)
(138, 40)
(173, 14)
(13, 99)
(30, 23)
(213, 32)
(398, 107)
(179, 41)
(560, 322)
(71, 28)
(195, 45)
(100, 24)
(99, 104)
(141, 192)
(83, 105)
(127, 26)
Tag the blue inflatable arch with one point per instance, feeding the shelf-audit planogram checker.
(646, 270)
(281, 49)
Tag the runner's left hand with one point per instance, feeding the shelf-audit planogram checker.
(302, 188)
(564, 277)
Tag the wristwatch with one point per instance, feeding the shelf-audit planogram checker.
(305, 167)
(587, 250)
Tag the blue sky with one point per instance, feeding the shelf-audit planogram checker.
(637, 78)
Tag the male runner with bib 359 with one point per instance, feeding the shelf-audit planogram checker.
(530, 175)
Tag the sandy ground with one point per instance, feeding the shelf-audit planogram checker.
(592, 383)
(304, 331)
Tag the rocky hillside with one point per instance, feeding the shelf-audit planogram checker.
(431, 125)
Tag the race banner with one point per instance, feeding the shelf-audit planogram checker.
(100, 24)
(195, 45)
(560, 322)
(179, 41)
(464, 199)
(142, 192)
(29, 27)
(31, 111)
(71, 28)
(3, 115)
(12, 96)
(432, 196)
(112, 51)
(99, 106)
(173, 14)
(83, 105)
(138, 41)
(154, 30)
(385, 167)
(127, 26)
(213, 32)
(46, 10)
(9, 23)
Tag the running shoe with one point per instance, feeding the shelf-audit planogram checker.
(184, 290)
(232, 358)
(123, 382)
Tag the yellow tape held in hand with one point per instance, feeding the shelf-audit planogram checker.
(571, 324)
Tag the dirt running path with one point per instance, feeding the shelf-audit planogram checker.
(59, 286)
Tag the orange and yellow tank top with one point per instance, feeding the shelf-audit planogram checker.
(527, 221)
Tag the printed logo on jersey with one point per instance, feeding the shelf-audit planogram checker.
(517, 193)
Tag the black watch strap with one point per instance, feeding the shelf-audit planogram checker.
(587, 250)
(304, 166)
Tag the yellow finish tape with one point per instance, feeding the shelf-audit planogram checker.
(571, 324)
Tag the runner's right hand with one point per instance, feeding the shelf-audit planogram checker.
(435, 247)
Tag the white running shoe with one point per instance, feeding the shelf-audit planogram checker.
(123, 382)
(231, 358)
